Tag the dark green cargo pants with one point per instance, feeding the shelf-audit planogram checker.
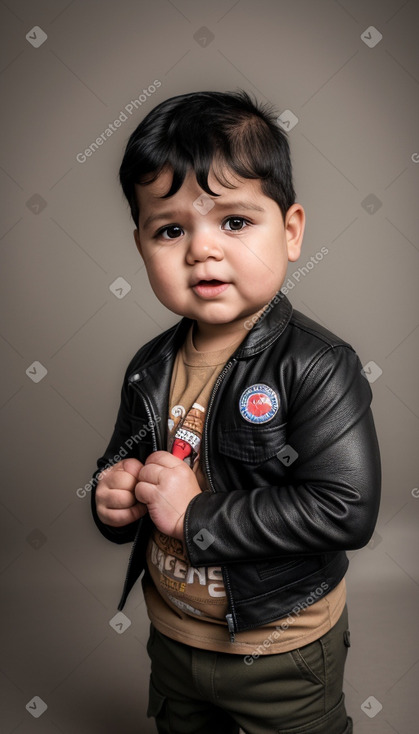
(195, 691)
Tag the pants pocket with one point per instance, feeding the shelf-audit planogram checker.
(320, 665)
(310, 661)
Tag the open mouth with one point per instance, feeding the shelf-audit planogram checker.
(210, 282)
(210, 288)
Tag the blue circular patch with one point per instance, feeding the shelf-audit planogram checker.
(259, 404)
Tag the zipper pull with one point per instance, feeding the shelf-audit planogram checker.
(230, 624)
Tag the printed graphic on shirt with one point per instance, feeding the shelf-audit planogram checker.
(190, 589)
(186, 590)
(258, 404)
(188, 433)
(178, 411)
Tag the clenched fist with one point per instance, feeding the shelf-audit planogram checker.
(166, 485)
(116, 502)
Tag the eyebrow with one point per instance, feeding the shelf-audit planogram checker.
(172, 214)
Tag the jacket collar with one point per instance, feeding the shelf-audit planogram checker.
(268, 327)
(262, 333)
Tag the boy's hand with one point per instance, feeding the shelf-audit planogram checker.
(166, 485)
(116, 504)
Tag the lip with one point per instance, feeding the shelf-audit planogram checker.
(209, 288)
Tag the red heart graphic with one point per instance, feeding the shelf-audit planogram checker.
(259, 404)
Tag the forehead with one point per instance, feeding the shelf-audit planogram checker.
(151, 195)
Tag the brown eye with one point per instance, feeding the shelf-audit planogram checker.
(236, 224)
(173, 231)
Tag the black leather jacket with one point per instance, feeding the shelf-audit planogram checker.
(277, 528)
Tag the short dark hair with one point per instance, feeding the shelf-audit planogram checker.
(199, 129)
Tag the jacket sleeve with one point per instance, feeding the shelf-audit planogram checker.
(329, 499)
(120, 447)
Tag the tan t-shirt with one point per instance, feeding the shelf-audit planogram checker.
(189, 604)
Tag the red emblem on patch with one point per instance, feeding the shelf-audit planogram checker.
(259, 404)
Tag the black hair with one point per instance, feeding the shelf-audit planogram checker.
(202, 129)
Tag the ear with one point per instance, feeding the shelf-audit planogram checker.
(138, 242)
(295, 219)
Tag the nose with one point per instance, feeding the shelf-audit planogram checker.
(203, 245)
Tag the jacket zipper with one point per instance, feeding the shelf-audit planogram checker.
(225, 370)
(152, 423)
(230, 624)
(220, 378)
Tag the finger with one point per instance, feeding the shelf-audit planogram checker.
(118, 518)
(128, 466)
(120, 479)
(131, 466)
(150, 473)
(124, 475)
(145, 492)
(163, 458)
(118, 499)
(152, 495)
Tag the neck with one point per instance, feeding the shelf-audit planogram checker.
(212, 337)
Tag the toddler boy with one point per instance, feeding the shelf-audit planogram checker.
(244, 460)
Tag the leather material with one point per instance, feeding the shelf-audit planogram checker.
(277, 530)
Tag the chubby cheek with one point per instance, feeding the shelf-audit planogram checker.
(264, 281)
(277, 271)
(164, 282)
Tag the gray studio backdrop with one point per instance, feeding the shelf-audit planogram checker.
(76, 305)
